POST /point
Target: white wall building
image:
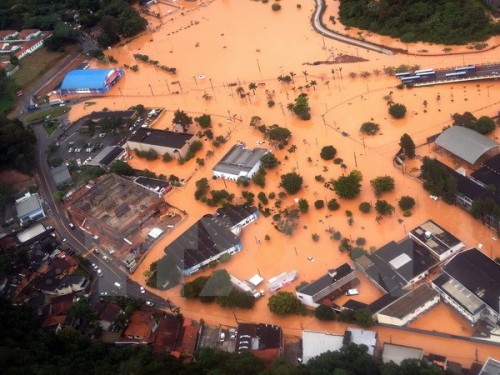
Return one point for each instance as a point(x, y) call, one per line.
point(239, 162)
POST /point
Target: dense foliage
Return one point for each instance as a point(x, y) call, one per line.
point(284, 303)
point(482, 125)
point(300, 107)
point(348, 187)
point(407, 145)
point(397, 110)
point(438, 181)
point(328, 152)
point(382, 184)
point(443, 22)
point(17, 145)
point(291, 182)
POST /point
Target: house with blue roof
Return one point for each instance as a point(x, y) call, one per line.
point(90, 81)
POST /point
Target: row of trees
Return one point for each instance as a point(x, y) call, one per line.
point(482, 125)
point(443, 22)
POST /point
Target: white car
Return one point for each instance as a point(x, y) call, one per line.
point(64, 239)
point(352, 292)
point(99, 272)
point(310, 259)
point(149, 303)
point(143, 290)
point(94, 266)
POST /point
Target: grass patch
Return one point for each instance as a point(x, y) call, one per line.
point(36, 64)
point(8, 98)
point(51, 113)
point(50, 127)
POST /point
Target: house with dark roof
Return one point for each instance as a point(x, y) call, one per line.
point(159, 187)
point(409, 306)
point(207, 239)
point(440, 243)
point(167, 335)
point(397, 265)
point(107, 313)
point(265, 341)
point(161, 141)
point(239, 162)
point(108, 155)
point(333, 284)
point(60, 175)
point(470, 283)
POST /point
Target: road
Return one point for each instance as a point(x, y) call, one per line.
point(321, 29)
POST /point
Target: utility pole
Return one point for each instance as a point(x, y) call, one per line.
point(168, 87)
point(355, 160)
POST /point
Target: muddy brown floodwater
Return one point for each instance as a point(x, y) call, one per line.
point(217, 43)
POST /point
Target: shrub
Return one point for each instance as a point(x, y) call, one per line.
point(328, 152)
point(369, 128)
point(383, 207)
point(382, 184)
point(303, 205)
point(291, 182)
point(262, 197)
point(323, 312)
point(315, 237)
point(333, 205)
point(406, 203)
point(397, 110)
point(319, 178)
point(320, 203)
point(365, 207)
point(360, 241)
point(276, 7)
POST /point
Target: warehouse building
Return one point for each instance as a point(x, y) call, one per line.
point(239, 162)
point(161, 141)
point(90, 81)
point(29, 208)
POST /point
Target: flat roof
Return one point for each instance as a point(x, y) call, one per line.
point(411, 301)
point(465, 143)
point(106, 155)
point(28, 205)
point(155, 233)
point(326, 280)
point(236, 214)
point(60, 175)
point(361, 336)
point(315, 343)
point(459, 293)
point(435, 237)
point(491, 367)
point(157, 137)
point(398, 353)
point(239, 159)
point(493, 164)
point(31, 233)
point(478, 273)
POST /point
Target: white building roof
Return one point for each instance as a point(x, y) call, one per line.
point(155, 233)
point(363, 337)
point(398, 353)
point(28, 204)
point(315, 343)
point(255, 280)
point(30, 233)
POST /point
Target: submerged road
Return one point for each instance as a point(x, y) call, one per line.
point(320, 28)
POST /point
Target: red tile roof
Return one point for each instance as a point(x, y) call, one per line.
point(167, 335)
point(5, 33)
point(189, 339)
point(54, 320)
point(141, 325)
point(23, 34)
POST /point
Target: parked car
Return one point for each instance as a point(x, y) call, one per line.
point(352, 292)
point(143, 290)
point(149, 303)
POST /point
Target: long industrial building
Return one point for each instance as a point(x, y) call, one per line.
point(90, 81)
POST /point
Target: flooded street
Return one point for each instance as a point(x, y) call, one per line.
point(218, 44)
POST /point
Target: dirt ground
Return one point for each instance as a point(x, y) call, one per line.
point(16, 179)
point(217, 44)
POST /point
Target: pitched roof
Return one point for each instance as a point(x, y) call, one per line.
point(108, 311)
point(478, 273)
point(86, 78)
point(141, 325)
point(189, 334)
point(398, 353)
point(99, 115)
point(326, 280)
point(167, 335)
point(60, 175)
point(239, 159)
point(157, 137)
point(28, 205)
point(106, 155)
point(411, 301)
point(465, 143)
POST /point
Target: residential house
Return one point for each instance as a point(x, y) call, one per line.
point(333, 284)
point(239, 162)
point(6, 35)
point(398, 353)
point(264, 341)
point(141, 328)
point(107, 313)
point(61, 175)
point(167, 335)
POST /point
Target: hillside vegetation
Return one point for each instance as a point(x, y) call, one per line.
point(443, 22)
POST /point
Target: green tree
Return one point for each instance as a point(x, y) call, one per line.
point(369, 128)
point(323, 312)
point(397, 110)
point(205, 121)
point(365, 207)
point(406, 202)
point(276, 7)
point(167, 157)
point(328, 152)
point(17, 145)
point(383, 207)
point(467, 120)
point(485, 125)
point(284, 303)
point(408, 146)
point(364, 317)
point(348, 187)
point(301, 107)
point(122, 168)
point(277, 133)
point(438, 180)
point(202, 188)
point(303, 205)
point(269, 161)
point(319, 204)
point(333, 205)
point(382, 184)
point(181, 118)
point(192, 290)
point(252, 86)
point(291, 182)
point(259, 178)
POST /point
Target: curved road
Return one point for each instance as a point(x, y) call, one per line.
point(320, 28)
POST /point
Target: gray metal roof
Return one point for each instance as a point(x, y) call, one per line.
point(60, 175)
point(398, 353)
point(239, 159)
point(316, 343)
point(465, 143)
point(28, 205)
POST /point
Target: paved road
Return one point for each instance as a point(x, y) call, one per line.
point(320, 28)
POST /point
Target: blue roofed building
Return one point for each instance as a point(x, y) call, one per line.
point(90, 81)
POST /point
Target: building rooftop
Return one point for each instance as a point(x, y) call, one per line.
point(153, 184)
point(167, 335)
point(236, 214)
point(465, 185)
point(141, 325)
point(258, 336)
point(88, 79)
point(360, 336)
point(157, 137)
point(398, 353)
point(31, 233)
point(60, 175)
point(491, 367)
point(315, 343)
point(411, 301)
point(108, 312)
point(28, 204)
point(434, 237)
point(493, 164)
point(459, 293)
point(354, 305)
point(106, 156)
point(239, 159)
point(382, 274)
point(206, 238)
point(465, 143)
point(326, 280)
point(478, 273)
